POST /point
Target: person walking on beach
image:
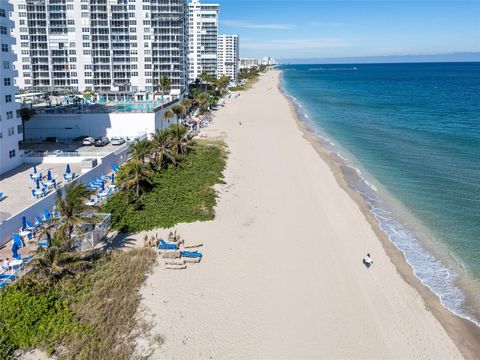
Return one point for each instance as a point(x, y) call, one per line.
point(367, 261)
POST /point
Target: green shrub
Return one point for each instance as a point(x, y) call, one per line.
point(179, 194)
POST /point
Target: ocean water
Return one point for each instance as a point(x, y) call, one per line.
point(409, 138)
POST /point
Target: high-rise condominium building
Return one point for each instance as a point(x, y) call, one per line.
point(10, 124)
point(228, 56)
point(203, 33)
point(102, 45)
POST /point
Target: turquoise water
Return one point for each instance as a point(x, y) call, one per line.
point(135, 107)
point(412, 134)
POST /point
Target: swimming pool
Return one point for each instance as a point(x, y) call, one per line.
point(134, 107)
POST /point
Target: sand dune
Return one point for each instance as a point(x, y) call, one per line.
point(282, 276)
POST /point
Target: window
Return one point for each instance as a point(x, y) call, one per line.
point(3, 30)
point(11, 153)
point(8, 98)
point(19, 129)
point(7, 81)
point(2, 12)
point(9, 115)
point(11, 131)
point(4, 47)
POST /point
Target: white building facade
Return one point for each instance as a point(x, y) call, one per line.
point(228, 56)
point(203, 37)
point(10, 123)
point(101, 45)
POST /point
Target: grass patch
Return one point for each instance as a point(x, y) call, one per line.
point(178, 194)
point(247, 86)
point(89, 316)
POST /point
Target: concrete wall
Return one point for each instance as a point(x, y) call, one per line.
point(70, 126)
point(13, 224)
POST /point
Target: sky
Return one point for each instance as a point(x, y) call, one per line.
point(322, 29)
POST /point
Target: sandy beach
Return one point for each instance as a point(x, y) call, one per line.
point(282, 274)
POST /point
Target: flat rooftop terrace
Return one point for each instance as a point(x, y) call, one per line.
point(17, 186)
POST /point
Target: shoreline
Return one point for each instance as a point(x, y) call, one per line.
point(463, 332)
point(281, 275)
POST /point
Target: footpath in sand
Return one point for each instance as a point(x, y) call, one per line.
point(282, 274)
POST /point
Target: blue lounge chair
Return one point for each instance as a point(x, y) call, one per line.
point(30, 226)
point(166, 246)
point(46, 215)
point(43, 243)
point(8, 277)
point(1, 195)
point(191, 254)
point(115, 168)
point(39, 221)
point(33, 194)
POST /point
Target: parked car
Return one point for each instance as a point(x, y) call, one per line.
point(88, 141)
point(80, 138)
point(101, 141)
point(118, 140)
point(51, 139)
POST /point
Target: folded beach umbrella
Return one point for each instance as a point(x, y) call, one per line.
point(67, 170)
point(14, 250)
point(38, 184)
point(24, 223)
point(49, 175)
point(34, 169)
point(113, 178)
point(103, 186)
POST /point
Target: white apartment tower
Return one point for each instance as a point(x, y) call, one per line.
point(101, 45)
point(10, 124)
point(228, 56)
point(203, 33)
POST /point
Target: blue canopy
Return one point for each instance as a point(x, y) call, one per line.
point(113, 178)
point(49, 175)
point(34, 169)
point(38, 184)
point(68, 171)
point(24, 223)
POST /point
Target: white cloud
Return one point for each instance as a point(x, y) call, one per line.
point(250, 25)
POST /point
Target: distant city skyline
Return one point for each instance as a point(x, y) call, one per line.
point(340, 29)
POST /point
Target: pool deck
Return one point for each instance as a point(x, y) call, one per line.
point(17, 186)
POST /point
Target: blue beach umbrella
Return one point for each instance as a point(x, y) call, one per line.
point(68, 169)
point(24, 223)
point(49, 175)
point(34, 169)
point(38, 184)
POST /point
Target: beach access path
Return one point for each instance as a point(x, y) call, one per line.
point(282, 274)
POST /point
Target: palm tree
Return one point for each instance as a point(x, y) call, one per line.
point(168, 115)
point(164, 84)
point(141, 150)
point(201, 100)
point(187, 104)
point(180, 140)
point(179, 111)
point(53, 263)
point(72, 208)
point(132, 175)
point(162, 148)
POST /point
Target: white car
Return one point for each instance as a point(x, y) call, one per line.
point(88, 141)
point(117, 140)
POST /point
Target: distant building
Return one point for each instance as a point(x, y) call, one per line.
point(11, 130)
point(247, 63)
point(203, 33)
point(228, 56)
point(101, 45)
